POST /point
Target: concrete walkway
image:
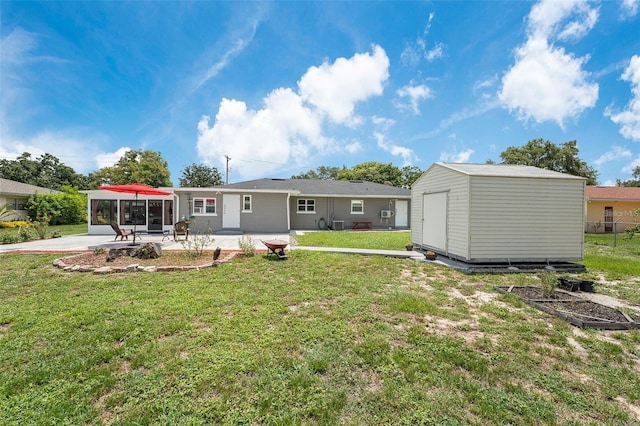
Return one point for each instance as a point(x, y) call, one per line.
point(82, 242)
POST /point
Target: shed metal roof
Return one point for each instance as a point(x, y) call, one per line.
point(506, 170)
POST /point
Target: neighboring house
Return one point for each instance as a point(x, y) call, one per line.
point(14, 195)
point(611, 208)
point(261, 205)
point(486, 213)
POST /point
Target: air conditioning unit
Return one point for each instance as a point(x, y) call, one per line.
point(385, 214)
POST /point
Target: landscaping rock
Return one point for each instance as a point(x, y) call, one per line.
point(145, 251)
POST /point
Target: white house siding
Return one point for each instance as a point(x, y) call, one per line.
point(526, 219)
point(438, 179)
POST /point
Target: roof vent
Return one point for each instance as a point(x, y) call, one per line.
point(356, 181)
point(278, 179)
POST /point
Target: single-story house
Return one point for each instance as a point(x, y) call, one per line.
point(611, 208)
point(494, 213)
point(261, 205)
point(14, 196)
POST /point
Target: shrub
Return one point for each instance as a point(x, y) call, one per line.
point(9, 238)
point(41, 226)
point(246, 245)
point(67, 208)
point(26, 234)
point(15, 224)
point(198, 242)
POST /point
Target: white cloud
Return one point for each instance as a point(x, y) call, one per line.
point(546, 83)
point(485, 84)
point(289, 126)
point(408, 156)
point(629, 118)
point(76, 149)
point(109, 159)
point(629, 8)
point(415, 95)
point(435, 53)
point(383, 122)
point(616, 153)
point(632, 165)
point(414, 52)
point(334, 89)
point(353, 147)
point(456, 157)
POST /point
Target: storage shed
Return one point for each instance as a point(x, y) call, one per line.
point(495, 213)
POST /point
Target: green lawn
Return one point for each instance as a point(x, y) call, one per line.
point(317, 339)
point(383, 240)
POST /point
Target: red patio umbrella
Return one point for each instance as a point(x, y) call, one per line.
point(135, 188)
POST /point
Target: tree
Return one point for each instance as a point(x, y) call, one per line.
point(547, 155)
point(200, 176)
point(373, 171)
point(322, 172)
point(135, 166)
point(46, 171)
point(409, 175)
point(631, 182)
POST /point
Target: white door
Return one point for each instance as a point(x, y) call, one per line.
point(434, 220)
point(402, 213)
point(231, 211)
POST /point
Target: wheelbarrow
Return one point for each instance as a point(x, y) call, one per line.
point(276, 247)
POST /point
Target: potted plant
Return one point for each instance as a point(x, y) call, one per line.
point(430, 255)
point(409, 246)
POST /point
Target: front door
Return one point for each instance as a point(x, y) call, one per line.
point(608, 219)
point(231, 211)
point(402, 212)
point(155, 216)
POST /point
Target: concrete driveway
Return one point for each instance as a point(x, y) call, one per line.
point(91, 242)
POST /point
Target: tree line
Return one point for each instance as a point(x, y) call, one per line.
point(148, 167)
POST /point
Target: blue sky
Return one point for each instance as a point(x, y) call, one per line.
point(285, 87)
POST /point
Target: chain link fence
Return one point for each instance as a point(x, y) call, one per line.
point(611, 232)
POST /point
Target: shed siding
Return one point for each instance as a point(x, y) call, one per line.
point(438, 179)
point(526, 219)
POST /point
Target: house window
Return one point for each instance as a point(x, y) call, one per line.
point(306, 205)
point(357, 207)
point(103, 212)
point(246, 203)
point(204, 206)
point(16, 203)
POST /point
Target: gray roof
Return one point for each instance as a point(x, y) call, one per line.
point(11, 187)
point(506, 170)
point(318, 187)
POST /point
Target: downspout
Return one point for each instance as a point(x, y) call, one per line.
point(176, 209)
point(289, 211)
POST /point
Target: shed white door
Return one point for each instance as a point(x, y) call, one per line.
point(434, 220)
point(402, 212)
point(231, 211)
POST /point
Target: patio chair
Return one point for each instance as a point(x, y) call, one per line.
point(122, 233)
point(180, 228)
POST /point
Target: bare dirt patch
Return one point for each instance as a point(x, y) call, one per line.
point(91, 259)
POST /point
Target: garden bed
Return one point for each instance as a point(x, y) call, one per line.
point(573, 308)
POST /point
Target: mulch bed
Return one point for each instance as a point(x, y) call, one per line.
point(573, 308)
